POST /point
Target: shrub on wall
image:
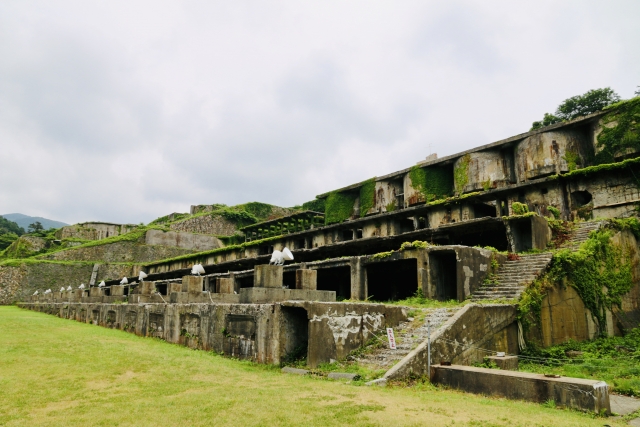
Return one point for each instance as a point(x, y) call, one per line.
point(367, 196)
point(625, 134)
point(339, 207)
point(432, 182)
point(316, 205)
point(519, 208)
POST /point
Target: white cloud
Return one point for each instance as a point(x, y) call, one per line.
point(125, 111)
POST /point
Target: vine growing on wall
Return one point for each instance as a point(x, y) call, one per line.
point(621, 130)
point(339, 207)
point(432, 182)
point(461, 173)
point(367, 196)
point(599, 271)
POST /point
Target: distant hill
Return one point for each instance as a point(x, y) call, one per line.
point(24, 221)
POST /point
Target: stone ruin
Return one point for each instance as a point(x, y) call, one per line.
point(440, 229)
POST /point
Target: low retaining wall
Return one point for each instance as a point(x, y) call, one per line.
point(264, 333)
point(575, 393)
point(465, 338)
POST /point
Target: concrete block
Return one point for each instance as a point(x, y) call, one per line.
point(575, 393)
point(193, 284)
point(343, 376)
point(225, 285)
point(295, 371)
point(174, 287)
point(266, 295)
point(381, 382)
point(307, 279)
point(267, 276)
point(95, 292)
point(147, 288)
point(117, 290)
point(508, 363)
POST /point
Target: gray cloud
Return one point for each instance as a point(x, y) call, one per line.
point(126, 112)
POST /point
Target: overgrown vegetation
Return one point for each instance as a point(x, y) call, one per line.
point(615, 360)
point(9, 232)
point(461, 173)
point(578, 106)
point(339, 207)
point(317, 205)
point(367, 196)
point(519, 208)
point(620, 131)
point(432, 182)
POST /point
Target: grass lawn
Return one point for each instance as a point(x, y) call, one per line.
point(62, 373)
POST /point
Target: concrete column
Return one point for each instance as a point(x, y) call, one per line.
point(192, 284)
point(358, 279)
point(225, 285)
point(307, 279)
point(267, 276)
point(174, 287)
point(117, 290)
point(147, 288)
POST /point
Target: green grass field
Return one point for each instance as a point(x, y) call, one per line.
point(56, 372)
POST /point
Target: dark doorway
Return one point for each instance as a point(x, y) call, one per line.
point(393, 280)
point(244, 282)
point(481, 210)
point(521, 232)
point(337, 279)
point(443, 269)
point(289, 279)
point(296, 334)
point(581, 198)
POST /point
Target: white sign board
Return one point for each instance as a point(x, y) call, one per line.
point(392, 339)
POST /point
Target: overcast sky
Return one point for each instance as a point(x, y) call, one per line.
point(127, 111)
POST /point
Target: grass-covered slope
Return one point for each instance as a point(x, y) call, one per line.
point(60, 372)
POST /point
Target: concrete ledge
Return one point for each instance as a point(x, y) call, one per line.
point(343, 376)
point(266, 295)
point(295, 371)
point(575, 393)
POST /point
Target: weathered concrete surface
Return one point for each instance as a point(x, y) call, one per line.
point(484, 171)
point(464, 339)
point(336, 329)
point(265, 333)
point(307, 279)
point(177, 239)
point(343, 376)
point(18, 283)
point(192, 284)
point(118, 252)
point(267, 295)
point(206, 224)
point(575, 393)
point(507, 363)
point(93, 230)
point(267, 276)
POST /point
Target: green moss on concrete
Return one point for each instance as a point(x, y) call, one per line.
point(367, 196)
point(432, 182)
point(461, 173)
point(339, 207)
point(624, 135)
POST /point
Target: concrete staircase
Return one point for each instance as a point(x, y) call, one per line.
point(408, 336)
point(581, 233)
point(513, 277)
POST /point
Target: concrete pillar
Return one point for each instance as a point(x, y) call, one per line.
point(307, 279)
point(267, 276)
point(174, 287)
point(78, 294)
point(192, 284)
point(95, 292)
point(116, 290)
point(358, 279)
point(147, 288)
point(225, 285)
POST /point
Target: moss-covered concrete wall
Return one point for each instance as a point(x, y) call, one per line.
point(118, 252)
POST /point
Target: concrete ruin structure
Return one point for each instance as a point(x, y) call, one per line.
point(444, 229)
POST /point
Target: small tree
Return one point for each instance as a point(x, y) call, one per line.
point(35, 227)
point(578, 106)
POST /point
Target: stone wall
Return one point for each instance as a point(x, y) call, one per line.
point(19, 282)
point(177, 239)
point(206, 224)
point(93, 230)
point(118, 252)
